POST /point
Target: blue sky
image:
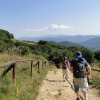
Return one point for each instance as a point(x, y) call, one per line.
point(33, 18)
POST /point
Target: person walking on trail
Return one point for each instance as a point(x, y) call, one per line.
point(78, 67)
point(65, 68)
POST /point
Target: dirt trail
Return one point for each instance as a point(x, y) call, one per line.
point(53, 88)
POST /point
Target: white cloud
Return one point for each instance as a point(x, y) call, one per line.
point(52, 27)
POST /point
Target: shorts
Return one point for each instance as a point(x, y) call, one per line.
point(65, 71)
point(80, 83)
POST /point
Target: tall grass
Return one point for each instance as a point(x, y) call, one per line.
point(95, 75)
point(26, 88)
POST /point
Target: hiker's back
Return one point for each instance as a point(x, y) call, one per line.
point(79, 68)
point(65, 68)
point(65, 64)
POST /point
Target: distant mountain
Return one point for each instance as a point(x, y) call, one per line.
point(92, 43)
point(89, 41)
point(60, 38)
point(67, 44)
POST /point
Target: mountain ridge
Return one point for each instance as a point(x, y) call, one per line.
point(60, 38)
point(89, 41)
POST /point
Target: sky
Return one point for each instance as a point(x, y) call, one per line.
point(32, 18)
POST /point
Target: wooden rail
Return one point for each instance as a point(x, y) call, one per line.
point(95, 70)
point(12, 65)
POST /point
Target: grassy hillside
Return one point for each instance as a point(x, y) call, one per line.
point(95, 75)
point(25, 88)
point(50, 51)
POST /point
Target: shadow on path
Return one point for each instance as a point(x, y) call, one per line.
point(73, 88)
point(54, 80)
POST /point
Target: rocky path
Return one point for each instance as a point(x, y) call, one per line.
point(54, 88)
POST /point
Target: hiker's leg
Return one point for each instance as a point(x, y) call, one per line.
point(76, 87)
point(66, 74)
point(64, 77)
point(77, 94)
point(85, 88)
point(85, 95)
point(63, 71)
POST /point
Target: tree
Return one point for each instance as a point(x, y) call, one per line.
point(97, 55)
point(87, 54)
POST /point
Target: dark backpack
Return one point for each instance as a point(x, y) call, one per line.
point(79, 69)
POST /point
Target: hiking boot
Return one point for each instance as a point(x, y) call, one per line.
point(78, 99)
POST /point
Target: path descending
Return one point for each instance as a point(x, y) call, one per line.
point(54, 88)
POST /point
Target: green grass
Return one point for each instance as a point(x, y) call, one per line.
point(95, 75)
point(26, 88)
point(96, 82)
point(95, 78)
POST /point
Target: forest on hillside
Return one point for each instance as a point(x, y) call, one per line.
point(49, 50)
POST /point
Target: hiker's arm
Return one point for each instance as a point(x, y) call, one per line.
point(88, 69)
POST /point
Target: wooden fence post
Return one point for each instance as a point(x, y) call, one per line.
point(31, 68)
point(38, 66)
point(88, 80)
point(45, 63)
point(14, 73)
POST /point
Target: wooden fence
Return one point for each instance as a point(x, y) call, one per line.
point(95, 70)
point(92, 70)
point(12, 65)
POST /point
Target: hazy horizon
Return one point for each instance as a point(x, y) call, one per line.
point(50, 17)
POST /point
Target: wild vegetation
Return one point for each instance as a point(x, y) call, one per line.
point(26, 88)
point(41, 50)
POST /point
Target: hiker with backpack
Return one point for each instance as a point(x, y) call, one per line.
point(78, 67)
point(65, 68)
